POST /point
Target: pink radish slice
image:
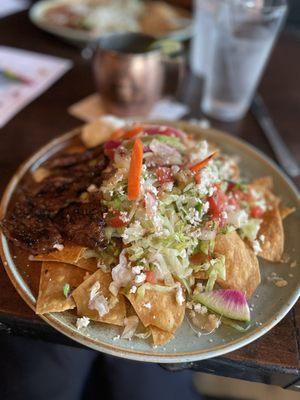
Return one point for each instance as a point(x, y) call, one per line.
point(229, 303)
point(164, 130)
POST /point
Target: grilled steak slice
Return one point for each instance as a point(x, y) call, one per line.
point(29, 229)
point(30, 224)
point(83, 223)
point(65, 160)
point(65, 186)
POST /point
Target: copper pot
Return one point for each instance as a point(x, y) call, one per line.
point(129, 74)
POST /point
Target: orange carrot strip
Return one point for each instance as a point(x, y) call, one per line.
point(202, 163)
point(132, 132)
point(135, 170)
point(118, 134)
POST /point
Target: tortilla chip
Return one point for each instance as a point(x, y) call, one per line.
point(54, 276)
point(271, 228)
point(200, 275)
point(242, 268)
point(265, 183)
point(96, 132)
point(286, 211)
point(164, 312)
point(198, 259)
point(82, 296)
point(70, 254)
point(159, 336)
point(89, 264)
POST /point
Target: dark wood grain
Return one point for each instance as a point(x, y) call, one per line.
point(47, 117)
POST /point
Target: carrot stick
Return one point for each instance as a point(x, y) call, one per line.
point(135, 170)
point(121, 134)
point(132, 132)
point(203, 163)
point(118, 134)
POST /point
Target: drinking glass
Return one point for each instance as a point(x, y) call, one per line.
point(233, 41)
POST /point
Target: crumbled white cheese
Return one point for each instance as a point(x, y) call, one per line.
point(140, 278)
point(97, 301)
point(133, 232)
point(205, 207)
point(121, 274)
point(199, 288)
point(179, 294)
point(200, 309)
point(58, 246)
point(237, 218)
point(137, 269)
point(82, 322)
point(133, 289)
point(224, 214)
point(92, 188)
point(175, 169)
point(124, 216)
point(262, 238)
point(199, 152)
point(168, 186)
point(148, 305)
point(256, 246)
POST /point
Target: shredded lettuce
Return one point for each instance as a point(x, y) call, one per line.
point(149, 286)
point(66, 290)
point(250, 229)
point(143, 335)
point(169, 140)
point(235, 325)
point(89, 253)
point(206, 246)
point(216, 270)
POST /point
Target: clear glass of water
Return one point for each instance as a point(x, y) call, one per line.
point(232, 43)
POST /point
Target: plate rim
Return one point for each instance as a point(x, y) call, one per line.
point(70, 34)
point(114, 350)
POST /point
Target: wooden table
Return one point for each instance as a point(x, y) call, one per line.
point(272, 359)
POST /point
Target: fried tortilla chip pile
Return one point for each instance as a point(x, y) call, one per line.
point(130, 231)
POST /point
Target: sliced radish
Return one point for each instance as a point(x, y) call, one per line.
point(164, 130)
point(229, 303)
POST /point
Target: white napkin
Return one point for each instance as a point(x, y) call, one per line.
point(37, 73)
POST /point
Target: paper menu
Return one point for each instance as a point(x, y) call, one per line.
point(24, 75)
point(12, 6)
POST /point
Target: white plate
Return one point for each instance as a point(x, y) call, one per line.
point(270, 303)
point(83, 38)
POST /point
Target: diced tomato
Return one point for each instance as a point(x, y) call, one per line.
point(150, 277)
point(256, 212)
point(217, 204)
point(198, 178)
point(117, 222)
point(232, 201)
point(239, 195)
point(164, 174)
point(231, 186)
